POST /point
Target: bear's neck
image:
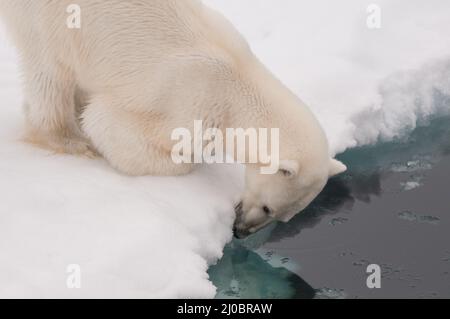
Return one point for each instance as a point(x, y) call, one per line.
point(260, 100)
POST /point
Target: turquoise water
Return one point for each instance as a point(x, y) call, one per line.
point(243, 273)
point(390, 209)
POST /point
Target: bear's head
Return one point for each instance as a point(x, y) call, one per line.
point(281, 196)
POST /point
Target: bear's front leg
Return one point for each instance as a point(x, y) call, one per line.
point(130, 141)
point(51, 120)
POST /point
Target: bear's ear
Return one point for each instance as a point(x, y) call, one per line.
point(289, 168)
point(336, 168)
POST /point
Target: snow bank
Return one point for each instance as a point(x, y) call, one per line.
point(324, 51)
point(154, 237)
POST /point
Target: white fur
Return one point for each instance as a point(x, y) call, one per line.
point(138, 69)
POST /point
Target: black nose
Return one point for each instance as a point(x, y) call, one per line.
point(240, 234)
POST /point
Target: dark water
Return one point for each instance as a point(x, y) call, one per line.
point(392, 208)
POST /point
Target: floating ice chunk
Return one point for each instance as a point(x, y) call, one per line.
point(330, 293)
point(419, 164)
point(425, 219)
point(409, 186)
point(407, 215)
point(338, 221)
point(429, 220)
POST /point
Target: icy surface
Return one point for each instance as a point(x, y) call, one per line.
point(155, 237)
point(364, 84)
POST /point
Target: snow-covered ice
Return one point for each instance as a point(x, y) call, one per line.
point(364, 84)
point(155, 237)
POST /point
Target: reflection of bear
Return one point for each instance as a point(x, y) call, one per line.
point(145, 68)
point(244, 274)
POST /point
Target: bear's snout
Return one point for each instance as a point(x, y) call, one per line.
point(239, 231)
point(240, 234)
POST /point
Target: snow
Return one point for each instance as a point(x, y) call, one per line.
point(362, 83)
point(155, 237)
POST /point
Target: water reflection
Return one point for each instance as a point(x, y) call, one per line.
point(243, 273)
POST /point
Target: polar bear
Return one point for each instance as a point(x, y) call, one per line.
point(136, 70)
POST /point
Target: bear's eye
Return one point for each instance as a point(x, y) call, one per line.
point(267, 210)
point(286, 173)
